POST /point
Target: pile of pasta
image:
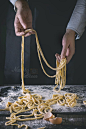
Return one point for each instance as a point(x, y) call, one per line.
point(34, 102)
point(37, 106)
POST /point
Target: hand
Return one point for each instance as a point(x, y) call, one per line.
point(23, 18)
point(68, 43)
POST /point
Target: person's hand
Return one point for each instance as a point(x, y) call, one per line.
point(23, 18)
point(68, 43)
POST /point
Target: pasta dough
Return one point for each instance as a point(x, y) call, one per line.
point(37, 106)
point(84, 102)
point(34, 102)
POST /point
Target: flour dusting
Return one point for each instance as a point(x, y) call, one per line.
point(10, 94)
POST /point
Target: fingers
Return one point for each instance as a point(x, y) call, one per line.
point(69, 58)
point(58, 57)
point(68, 49)
point(19, 31)
point(26, 24)
point(70, 54)
point(68, 44)
point(22, 22)
point(29, 33)
point(64, 49)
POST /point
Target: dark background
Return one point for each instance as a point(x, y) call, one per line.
point(50, 19)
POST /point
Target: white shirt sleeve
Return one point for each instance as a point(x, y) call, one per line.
point(78, 19)
point(13, 1)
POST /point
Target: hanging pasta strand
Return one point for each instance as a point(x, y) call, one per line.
point(60, 67)
point(22, 66)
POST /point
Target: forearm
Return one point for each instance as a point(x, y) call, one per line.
point(19, 3)
point(77, 21)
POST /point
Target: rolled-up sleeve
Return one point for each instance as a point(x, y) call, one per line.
point(77, 21)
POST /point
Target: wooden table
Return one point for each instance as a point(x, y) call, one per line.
point(73, 118)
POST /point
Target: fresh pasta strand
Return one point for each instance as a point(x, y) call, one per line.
point(60, 67)
point(34, 102)
point(22, 66)
point(41, 128)
point(37, 105)
point(84, 102)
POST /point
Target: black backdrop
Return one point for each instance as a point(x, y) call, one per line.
point(50, 19)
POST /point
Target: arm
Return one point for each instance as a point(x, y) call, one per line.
point(77, 21)
point(75, 27)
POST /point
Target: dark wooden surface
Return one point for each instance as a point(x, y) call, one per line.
point(72, 118)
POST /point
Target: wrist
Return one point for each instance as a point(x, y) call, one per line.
point(20, 4)
point(72, 32)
